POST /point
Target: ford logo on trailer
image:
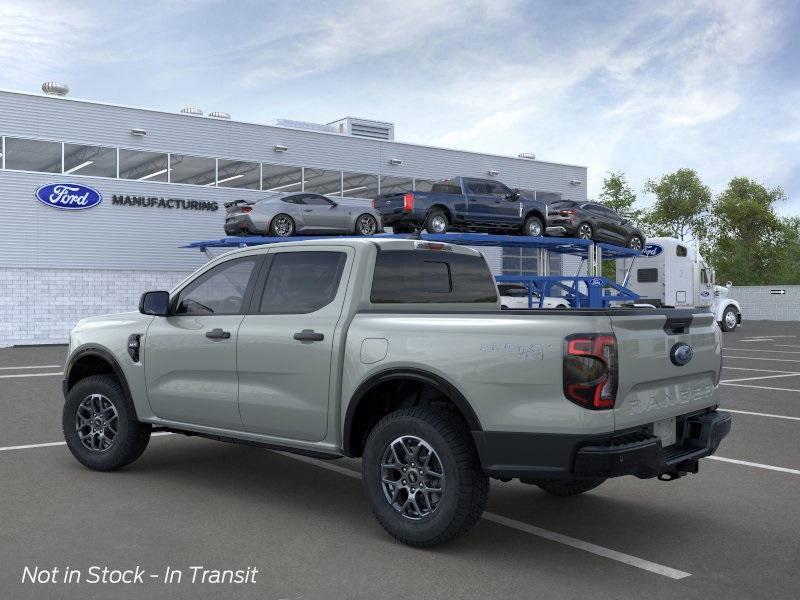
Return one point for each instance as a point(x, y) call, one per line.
point(68, 196)
point(681, 354)
point(595, 282)
point(652, 250)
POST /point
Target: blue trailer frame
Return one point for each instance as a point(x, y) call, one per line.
point(595, 285)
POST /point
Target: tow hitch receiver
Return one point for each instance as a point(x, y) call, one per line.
point(685, 469)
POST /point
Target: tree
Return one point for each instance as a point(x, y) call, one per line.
point(751, 244)
point(618, 196)
point(681, 206)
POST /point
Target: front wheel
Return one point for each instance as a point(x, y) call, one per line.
point(729, 319)
point(100, 424)
point(422, 476)
point(568, 487)
point(533, 227)
point(366, 224)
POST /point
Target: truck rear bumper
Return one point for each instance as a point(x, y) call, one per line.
point(531, 456)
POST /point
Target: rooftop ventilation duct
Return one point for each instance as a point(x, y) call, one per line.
point(376, 130)
point(192, 110)
point(53, 88)
point(303, 125)
point(219, 115)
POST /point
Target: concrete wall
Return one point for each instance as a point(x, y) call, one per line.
point(759, 304)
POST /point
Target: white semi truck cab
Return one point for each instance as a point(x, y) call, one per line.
point(671, 273)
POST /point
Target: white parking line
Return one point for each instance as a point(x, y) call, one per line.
point(756, 414)
point(760, 377)
point(761, 370)
point(31, 367)
point(15, 376)
point(760, 350)
point(758, 465)
point(627, 559)
point(759, 387)
point(756, 340)
point(791, 360)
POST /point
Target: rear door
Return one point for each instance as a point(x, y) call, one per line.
point(480, 201)
point(652, 387)
point(285, 345)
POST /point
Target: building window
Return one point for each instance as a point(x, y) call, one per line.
point(396, 185)
point(143, 166)
point(33, 155)
point(359, 185)
point(280, 178)
point(321, 181)
point(196, 170)
point(238, 174)
point(90, 160)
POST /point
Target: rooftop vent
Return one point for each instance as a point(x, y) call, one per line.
point(303, 125)
point(527, 155)
point(219, 115)
point(376, 130)
point(53, 88)
point(192, 110)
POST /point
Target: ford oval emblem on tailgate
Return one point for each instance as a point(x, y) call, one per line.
point(681, 354)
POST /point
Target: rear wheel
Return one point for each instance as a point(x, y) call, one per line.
point(282, 226)
point(568, 487)
point(366, 224)
point(100, 424)
point(730, 319)
point(437, 221)
point(585, 231)
point(635, 242)
point(533, 227)
point(422, 476)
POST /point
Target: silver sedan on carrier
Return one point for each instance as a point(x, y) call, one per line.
point(284, 215)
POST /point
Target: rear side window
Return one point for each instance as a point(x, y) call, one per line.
point(422, 276)
point(301, 282)
point(647, 275)
point(680, 251)
point(446, 187)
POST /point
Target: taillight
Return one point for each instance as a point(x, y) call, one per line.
point(408, 202)
point(590, 370)
point(565, 213)
point(374, 202)
point(246, 209)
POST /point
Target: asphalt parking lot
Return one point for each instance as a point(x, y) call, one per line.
point(732, 531)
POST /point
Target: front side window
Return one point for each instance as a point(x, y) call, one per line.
point(315, 200)
point(681, 251)
point(497, 189)
point(301, 282)
point(423, 276)
point(478, 187)
point(218, 291)
point(33, 155)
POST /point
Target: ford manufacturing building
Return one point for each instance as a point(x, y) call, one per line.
point(161, 180)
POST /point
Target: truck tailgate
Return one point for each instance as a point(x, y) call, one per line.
point(652, 387)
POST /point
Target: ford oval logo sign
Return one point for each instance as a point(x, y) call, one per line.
point(652, 250)
point(595, 282)
point(68, 196)
point(681, 354)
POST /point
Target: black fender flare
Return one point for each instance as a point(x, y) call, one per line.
point(99, 352)
point(410, 373)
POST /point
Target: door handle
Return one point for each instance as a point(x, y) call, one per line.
point(308, 335)
point(307, 210)
point(218, 334)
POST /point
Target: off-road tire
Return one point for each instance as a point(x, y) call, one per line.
point(465, 488)
point(132, 436)
point(568, 487)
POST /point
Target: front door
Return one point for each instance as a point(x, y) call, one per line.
point(190, 356)
point(325, 215)
point(286, 343)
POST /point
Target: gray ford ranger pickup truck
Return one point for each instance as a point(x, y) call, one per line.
point(397, 351)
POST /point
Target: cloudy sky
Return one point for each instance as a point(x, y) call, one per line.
point(642, 87)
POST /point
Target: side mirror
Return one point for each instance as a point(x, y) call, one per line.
point(729, 284)
point(513, 196)
point(154, 303)
point(334, 204)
